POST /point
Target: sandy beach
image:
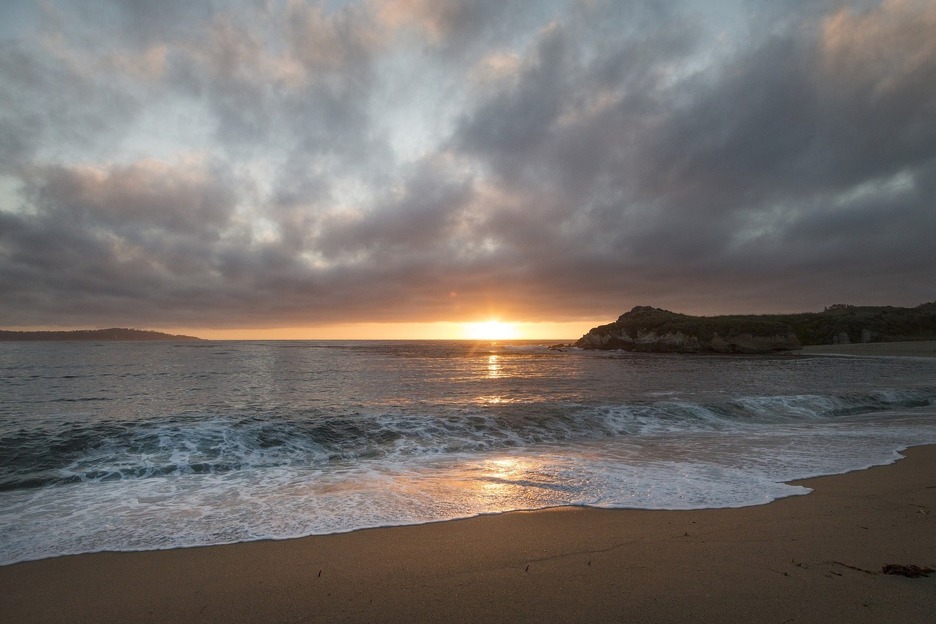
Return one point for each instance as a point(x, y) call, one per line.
point(813, 558)
point(919, 348)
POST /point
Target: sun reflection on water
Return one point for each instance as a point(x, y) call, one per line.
point(494, 367)
point(493, 399)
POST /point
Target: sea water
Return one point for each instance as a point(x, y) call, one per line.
point(149, 445)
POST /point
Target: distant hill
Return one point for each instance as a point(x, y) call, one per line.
point(655, 330)
point(112, 334)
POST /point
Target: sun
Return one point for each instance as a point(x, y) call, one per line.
point(491, 330)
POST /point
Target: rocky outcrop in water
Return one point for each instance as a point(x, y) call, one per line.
point(652, 330)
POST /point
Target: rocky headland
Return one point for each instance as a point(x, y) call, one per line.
point(647, 329)
point(654, 330)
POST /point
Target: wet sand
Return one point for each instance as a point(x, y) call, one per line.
point(813, 558)
point(922, 348)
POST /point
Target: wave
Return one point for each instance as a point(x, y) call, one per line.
point(197, 444)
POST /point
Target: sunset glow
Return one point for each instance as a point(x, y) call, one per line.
point(563, 331)
point(491, 330)
point(458, 170)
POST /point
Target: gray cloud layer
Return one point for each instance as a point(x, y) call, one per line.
point(290, 163)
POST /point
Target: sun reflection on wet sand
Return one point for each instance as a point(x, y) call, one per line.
point(499, 472)
point(505, 483)
point(505, 467)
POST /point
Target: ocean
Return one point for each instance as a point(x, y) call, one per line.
point(120, 446)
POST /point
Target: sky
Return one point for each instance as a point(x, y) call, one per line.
point(380, 169)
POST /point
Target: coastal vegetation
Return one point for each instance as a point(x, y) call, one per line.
point(654, 330)
point(844, 324)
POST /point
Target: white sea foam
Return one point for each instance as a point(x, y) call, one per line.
point(201, 447)
point(656, 471)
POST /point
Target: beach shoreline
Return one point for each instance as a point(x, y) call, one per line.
point(812, 558)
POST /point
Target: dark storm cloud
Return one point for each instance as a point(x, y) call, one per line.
point(97, 237)
point(690, 183)
point(579, 158)
point(423, 217)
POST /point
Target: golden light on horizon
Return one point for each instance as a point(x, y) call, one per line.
point(491, 330)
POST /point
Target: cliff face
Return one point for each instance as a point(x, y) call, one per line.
point(653, 330)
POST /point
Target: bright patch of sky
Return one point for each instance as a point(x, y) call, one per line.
point(167, 129)
point(883, 189)
point(417, 103)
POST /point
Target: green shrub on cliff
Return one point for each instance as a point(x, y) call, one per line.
point(863, 324)
point(838, 323)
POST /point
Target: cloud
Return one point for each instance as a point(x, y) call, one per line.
point(287, 163)
point(690, 181)
point(447, 23)
point(175, 199)
point(51, 101)
point(422, 214)
point(126, 234)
